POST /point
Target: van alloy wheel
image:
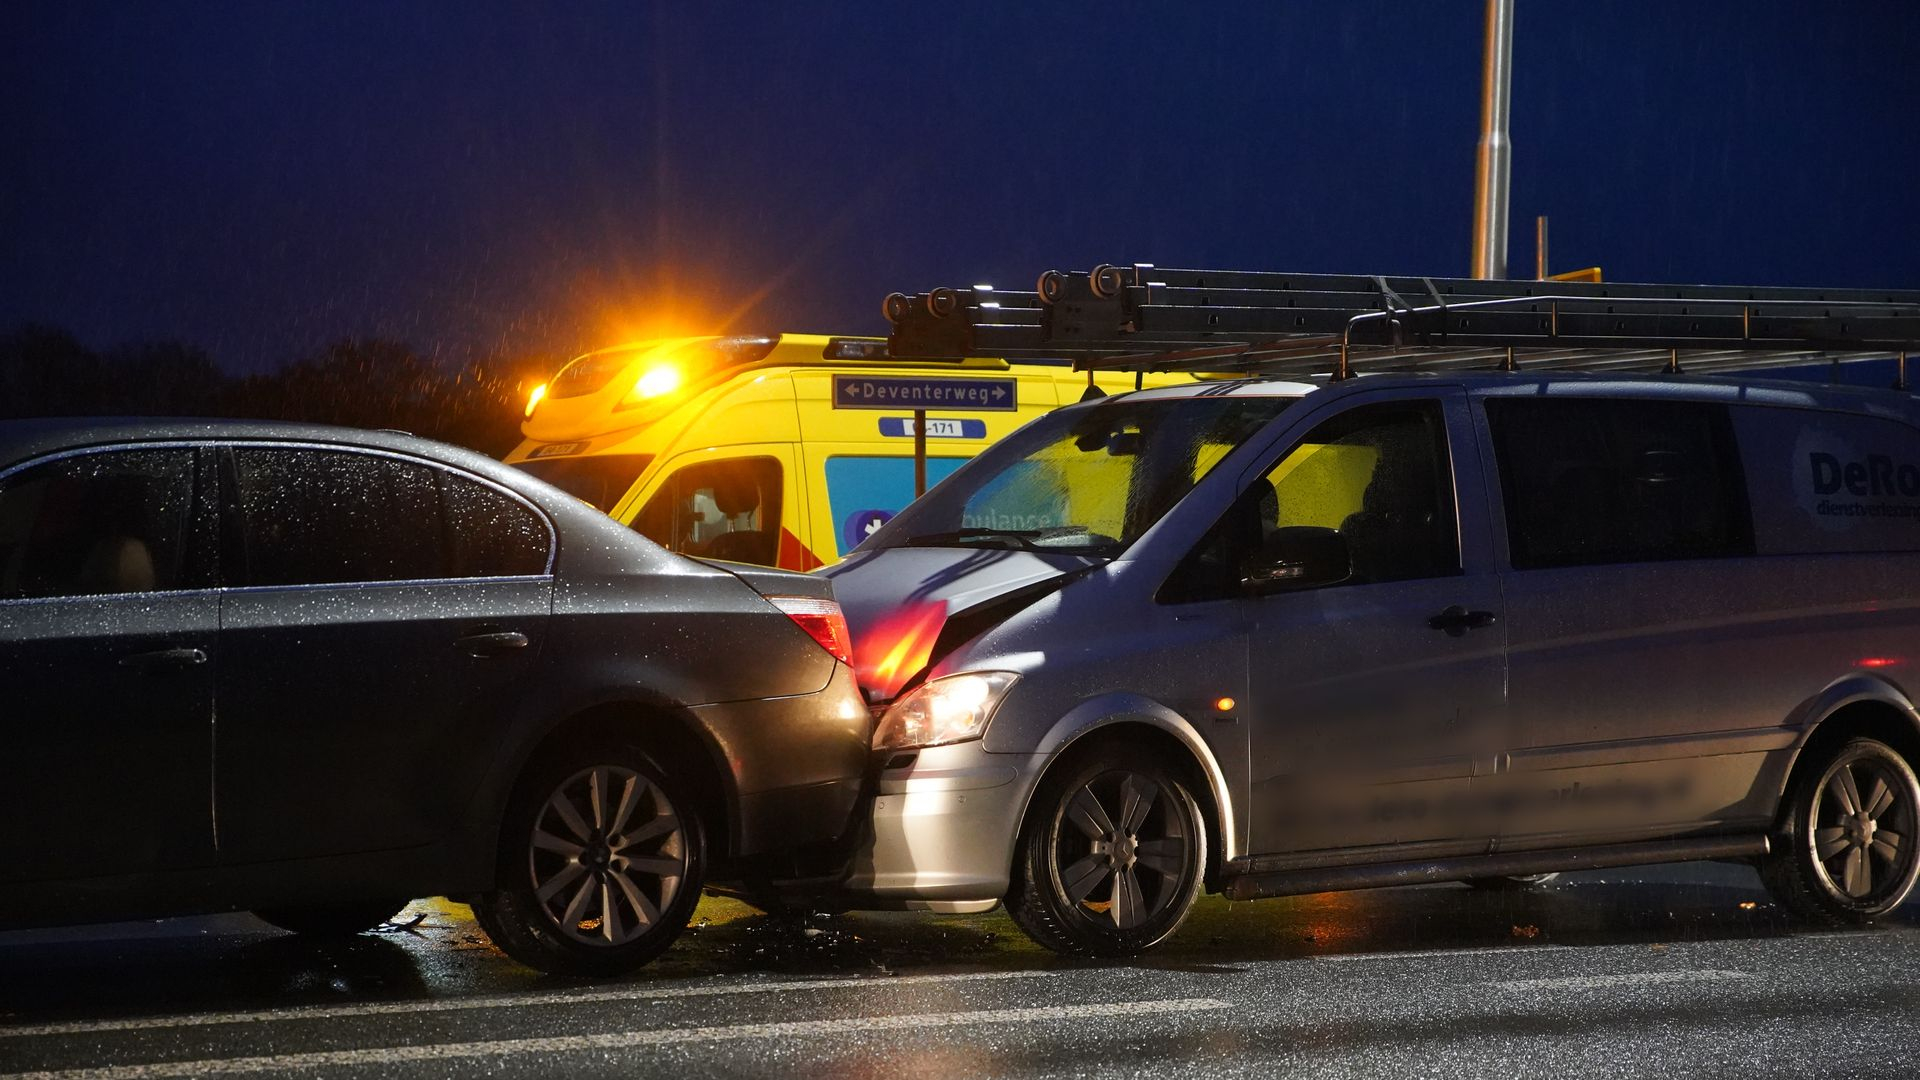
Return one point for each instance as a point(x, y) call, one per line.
point(1863, 829)
point(607, 856)
point(1131, 860)
point(1111, 856)
point(1848, 849)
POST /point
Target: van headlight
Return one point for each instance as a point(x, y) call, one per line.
point(950, 709)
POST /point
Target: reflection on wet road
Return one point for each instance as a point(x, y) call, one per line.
point(1678, 969)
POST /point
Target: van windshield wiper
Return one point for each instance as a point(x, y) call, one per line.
point(1017, 538)
point(1020, 539)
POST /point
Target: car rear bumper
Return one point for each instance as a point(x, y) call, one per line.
point(798, 766)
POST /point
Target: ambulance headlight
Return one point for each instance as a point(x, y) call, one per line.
point(946, 710)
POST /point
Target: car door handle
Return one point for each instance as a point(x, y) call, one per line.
point(165, 659)
point(1457, 620)
point(490, 642)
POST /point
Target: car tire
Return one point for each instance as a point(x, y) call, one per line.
point(602, 859)
point(1111, 856)
point(331, 920)
point(1848, 854)
point(1510, 883)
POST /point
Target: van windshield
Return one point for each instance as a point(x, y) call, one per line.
point(1087, 480)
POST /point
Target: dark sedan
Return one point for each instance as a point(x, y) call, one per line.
point(316, 672)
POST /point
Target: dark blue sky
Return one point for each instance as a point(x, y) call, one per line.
point(261, 178)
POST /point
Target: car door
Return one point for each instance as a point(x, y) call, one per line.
point(1376, 698)
point(1635, 611)
point(107, 649)
point(382, 618)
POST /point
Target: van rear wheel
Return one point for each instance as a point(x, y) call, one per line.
point(1850, 853)
point(1111, 857)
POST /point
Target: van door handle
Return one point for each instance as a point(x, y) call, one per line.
point(1457, 620)
point(164, 659)
point(492, 642)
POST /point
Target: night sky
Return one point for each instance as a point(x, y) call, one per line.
point(263, 178)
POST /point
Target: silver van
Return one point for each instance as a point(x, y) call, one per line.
point(1268, 637)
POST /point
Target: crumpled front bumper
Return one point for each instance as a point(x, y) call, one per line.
point(941, 831)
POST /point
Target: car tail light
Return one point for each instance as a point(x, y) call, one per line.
point(822, 620)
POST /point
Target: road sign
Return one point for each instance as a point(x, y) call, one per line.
point(929, 392)
point(900, 427)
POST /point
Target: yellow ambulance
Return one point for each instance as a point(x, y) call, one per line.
point(783, 450)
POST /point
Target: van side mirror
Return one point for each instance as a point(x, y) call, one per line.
point(1297, 557)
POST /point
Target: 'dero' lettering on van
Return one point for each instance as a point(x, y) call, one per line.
point(1877, 476)
point(934, 392)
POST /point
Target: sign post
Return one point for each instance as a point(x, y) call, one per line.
point(919, 393)
point(919, 452)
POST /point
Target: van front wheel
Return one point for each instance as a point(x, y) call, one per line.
point(1849, 854)
point(1111, 857)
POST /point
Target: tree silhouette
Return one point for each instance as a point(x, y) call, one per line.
point(369, 383)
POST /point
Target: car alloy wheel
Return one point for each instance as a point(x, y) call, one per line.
point(607, 856)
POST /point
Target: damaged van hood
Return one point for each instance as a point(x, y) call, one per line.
point(908, 606)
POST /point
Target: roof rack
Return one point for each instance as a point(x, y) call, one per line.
point(1143, 318)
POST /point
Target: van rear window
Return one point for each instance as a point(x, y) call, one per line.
point(601, 479)
point(1830, 482)
point(1617, 480)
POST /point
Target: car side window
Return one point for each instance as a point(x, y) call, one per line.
point(325, 517)
point(490, 533)
point(1592, 481)
point(95, 524)
point(1373, 485)
point(727, 509)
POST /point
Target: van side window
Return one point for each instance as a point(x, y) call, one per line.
point(97, 524)
point(1590, 481)
point(1376, 475)
point(726, 509)
point(1827, 482)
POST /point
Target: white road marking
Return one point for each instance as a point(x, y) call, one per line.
point(1638, 978)
point(617, 1040)
point(499, 1001)
point(1507, 950)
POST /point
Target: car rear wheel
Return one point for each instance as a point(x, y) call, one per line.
point(601, 865)
point(332, 920)
point(1850, 851)
point(1111, 856)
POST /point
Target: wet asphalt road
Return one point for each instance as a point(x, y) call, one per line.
point(1677, 971)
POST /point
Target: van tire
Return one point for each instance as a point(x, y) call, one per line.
point(1062, 869)
point(650, 872)
point(1820, 817)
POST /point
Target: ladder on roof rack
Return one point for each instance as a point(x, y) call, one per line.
point(1144, 318)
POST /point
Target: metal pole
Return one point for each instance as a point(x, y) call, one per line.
point(1540, 248)
point(1492, 168)
point(919, 452)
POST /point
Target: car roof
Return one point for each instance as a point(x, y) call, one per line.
point(23, 440)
